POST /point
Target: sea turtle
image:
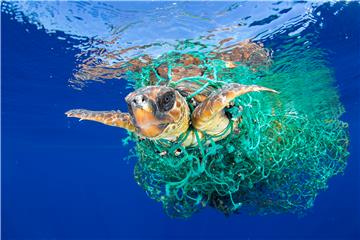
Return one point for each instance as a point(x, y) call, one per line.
point(162, 112)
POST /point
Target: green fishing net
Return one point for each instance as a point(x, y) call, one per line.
point(286, 148)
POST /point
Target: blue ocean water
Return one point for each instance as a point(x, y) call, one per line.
point(67, 180)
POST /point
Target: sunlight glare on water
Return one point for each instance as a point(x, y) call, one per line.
point(109, 31)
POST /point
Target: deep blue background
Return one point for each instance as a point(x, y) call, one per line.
point(64, 179)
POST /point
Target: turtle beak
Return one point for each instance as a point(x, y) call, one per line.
point(140, 109)
point(142, 115)
point(139, 101)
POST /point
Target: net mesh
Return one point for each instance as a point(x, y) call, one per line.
point(283, 152)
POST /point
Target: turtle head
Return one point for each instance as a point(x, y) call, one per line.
point(158, 112)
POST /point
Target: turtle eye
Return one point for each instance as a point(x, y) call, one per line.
point(166, 101)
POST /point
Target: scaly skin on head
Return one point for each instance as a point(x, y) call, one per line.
point(159, 112)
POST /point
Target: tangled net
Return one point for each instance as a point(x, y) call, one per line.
point(287, 147)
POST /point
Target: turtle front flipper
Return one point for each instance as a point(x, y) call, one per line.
point(210, 117)
point(111, 118)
